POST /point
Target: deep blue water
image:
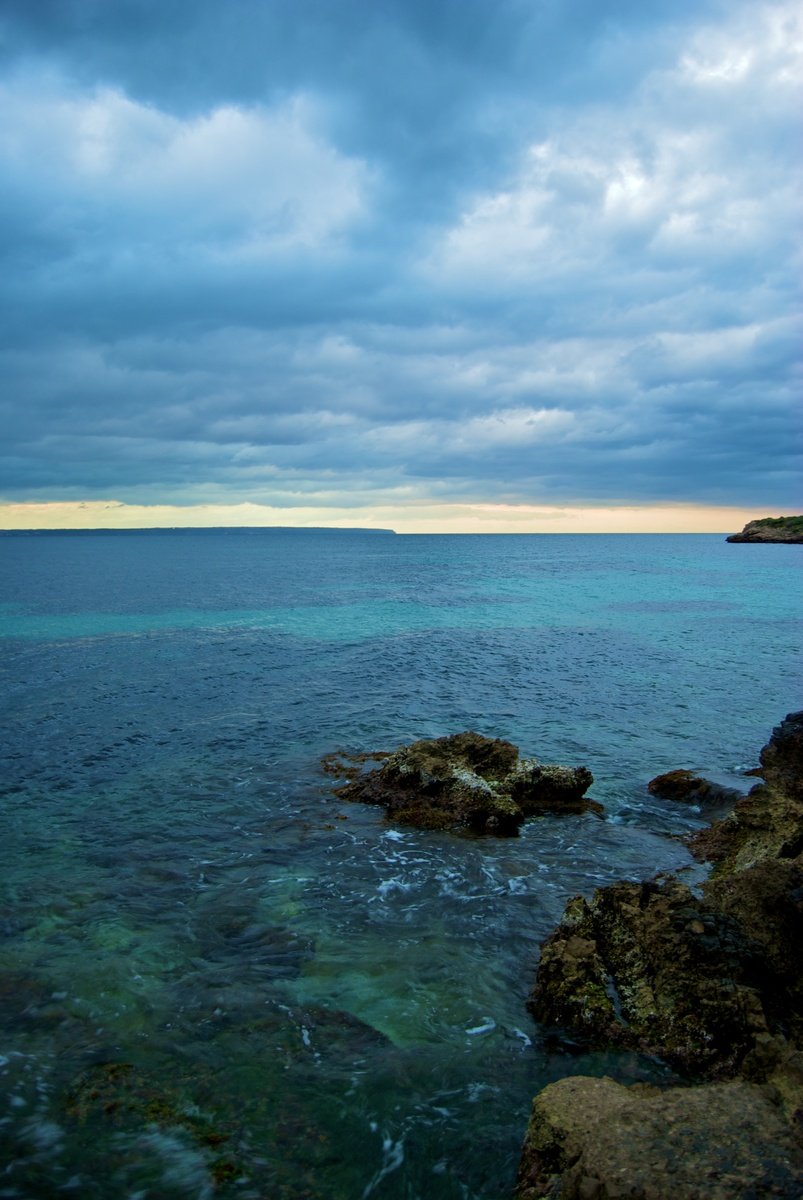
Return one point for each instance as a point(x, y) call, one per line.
point(218, 980)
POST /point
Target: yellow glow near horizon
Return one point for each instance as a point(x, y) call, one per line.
point(403, 518)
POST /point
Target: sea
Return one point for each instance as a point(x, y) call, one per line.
point(219, 980)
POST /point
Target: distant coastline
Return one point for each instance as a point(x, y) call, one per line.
point(165, 530)
point(193, 529)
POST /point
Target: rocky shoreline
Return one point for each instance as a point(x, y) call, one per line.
point(708, 980)
point(713, 984)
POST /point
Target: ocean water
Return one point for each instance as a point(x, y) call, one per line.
point(216, 980)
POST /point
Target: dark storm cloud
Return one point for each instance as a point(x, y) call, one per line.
point(515, 250)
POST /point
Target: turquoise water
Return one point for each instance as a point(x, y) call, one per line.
point(216, 979)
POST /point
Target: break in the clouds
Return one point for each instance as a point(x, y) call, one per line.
point(337, 254)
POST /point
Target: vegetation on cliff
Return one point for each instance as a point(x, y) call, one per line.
point(771, 529)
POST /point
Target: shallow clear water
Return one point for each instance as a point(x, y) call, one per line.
point(217, 979)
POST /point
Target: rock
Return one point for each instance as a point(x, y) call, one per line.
point(714, 984)
point(768, 822)
point(771, 529)
point(782, 758)
point(594, 1139)
point(766, 902)
point(465, 781)
point(651, 967)
point(688, 788)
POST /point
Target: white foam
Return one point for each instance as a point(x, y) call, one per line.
point(393, 885)
point(392, 1159)
point(488, 1025)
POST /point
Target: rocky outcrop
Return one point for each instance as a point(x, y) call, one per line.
point(713, 983)
point(687, 788)
point(771, 529)
point(768, 822)
point(651, 967)
point(765, 902)
point(593, 1139)
point(463, 781)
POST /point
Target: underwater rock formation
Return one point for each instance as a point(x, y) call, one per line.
point(771, 529)
point(464, 781)
point(712, 984)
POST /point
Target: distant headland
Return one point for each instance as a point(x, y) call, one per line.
point(771, 529)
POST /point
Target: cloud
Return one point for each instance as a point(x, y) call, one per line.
point(535, 255)
point(122, 182)
point(682, 186)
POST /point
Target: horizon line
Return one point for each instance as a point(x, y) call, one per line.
point(123, 530)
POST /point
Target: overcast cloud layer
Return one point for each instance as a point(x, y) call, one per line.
point(381, 252)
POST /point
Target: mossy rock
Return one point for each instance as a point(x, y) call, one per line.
point(651, 967)
point(768, 822)
point(463, 781)
point(589, 1139)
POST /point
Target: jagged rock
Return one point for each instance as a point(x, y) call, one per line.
point(771, 529)
point(782, 758)
point(714, 985)
point(650, 966)
point(688, 788)
point(465, 781)
point(766, 902)
point(594, 1139)
point(768, 822)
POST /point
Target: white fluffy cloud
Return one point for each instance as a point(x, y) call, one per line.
point(127, 177)
point(682, 178)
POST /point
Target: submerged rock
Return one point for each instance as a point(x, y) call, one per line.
point(592, 1139)
point(688, 788)
point(464, 781)
point(771, 529)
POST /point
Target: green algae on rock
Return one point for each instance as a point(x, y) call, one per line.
point(590, 1139)
point(651, 967)
point(771, 529)
point(463, 781)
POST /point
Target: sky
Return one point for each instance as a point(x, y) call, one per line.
point(441, 265)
